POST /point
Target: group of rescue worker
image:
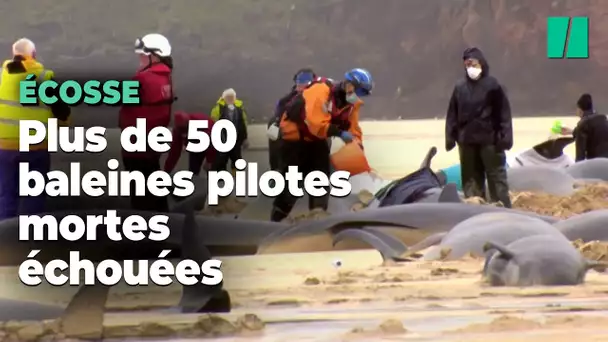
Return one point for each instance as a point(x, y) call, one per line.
point(156, 100)
point(479, 122)
point(154, 75)
point(315, 111)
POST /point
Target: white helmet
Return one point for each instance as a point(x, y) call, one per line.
point(153, 44)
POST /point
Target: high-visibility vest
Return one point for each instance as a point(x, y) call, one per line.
point(11, 111)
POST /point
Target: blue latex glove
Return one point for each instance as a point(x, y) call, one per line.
point(346, 137)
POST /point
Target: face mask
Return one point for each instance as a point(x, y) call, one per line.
point(352, 98)
point(231, 106)
point(474, 72)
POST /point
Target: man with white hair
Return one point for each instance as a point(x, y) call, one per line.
point(230, 108)
point(15, 70)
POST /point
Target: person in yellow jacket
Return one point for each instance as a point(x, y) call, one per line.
point(230, 108)
point(14, 71)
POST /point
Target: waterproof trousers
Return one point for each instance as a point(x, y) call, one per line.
point(195, 162)
point(11, 204)
point(481, 162)
point(308, 157)
point(148, 202)
point(221, 158)
point(274, 154)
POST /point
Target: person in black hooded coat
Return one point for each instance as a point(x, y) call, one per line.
point(479, 122)
point(591, 132)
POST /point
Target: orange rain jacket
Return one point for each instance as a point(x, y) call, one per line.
point(321, 118)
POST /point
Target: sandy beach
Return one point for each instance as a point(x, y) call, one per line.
point(306, 297)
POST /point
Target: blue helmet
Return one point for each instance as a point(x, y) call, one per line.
point(361, 79)
point(304, 76)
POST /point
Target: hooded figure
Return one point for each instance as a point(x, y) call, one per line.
point(301, 80)
point(479, 121)
point(591, 132)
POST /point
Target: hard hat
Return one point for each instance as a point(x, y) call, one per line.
point(361, 79)
point(153, 44)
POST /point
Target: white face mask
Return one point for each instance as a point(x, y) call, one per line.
point(231, 106)
point(473, 72)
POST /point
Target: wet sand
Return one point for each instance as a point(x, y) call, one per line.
point(304, 297)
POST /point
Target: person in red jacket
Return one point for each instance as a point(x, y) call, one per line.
point(156, 98)
point(180, 139)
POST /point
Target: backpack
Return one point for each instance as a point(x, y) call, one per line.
point(295, 110)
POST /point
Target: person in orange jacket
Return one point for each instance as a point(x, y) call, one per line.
point(322, 111)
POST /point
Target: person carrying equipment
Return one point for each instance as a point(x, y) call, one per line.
point(230, 108)
point(156, 99)
point(180, 139)
point(301, 80)
point(14, 71)
point(323, 110)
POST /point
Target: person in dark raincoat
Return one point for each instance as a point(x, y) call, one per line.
point(479, 122)
point(301, 80)
point(591, 132)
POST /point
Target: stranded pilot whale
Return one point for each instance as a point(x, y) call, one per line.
point(468, 236)
point(589, 226)
point(428, 189)
point(596, 168)
point(536, 260)
point(428, 218)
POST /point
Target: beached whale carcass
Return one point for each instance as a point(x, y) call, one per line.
point(538, 260)
point(413, 222)
point(419, 186)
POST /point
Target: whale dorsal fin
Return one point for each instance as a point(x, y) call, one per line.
point(505, 253)
point(449, 194)
point(428, 158)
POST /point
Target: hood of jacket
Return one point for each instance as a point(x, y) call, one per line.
point(237, 103)
point(474, 52)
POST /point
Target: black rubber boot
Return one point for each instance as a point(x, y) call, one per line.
point(219, 303)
